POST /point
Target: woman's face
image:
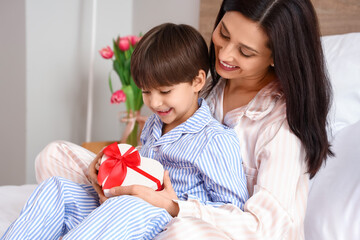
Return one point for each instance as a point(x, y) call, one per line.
point(241, 48)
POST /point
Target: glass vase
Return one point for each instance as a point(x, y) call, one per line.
point(132, 139)
point(131, 133)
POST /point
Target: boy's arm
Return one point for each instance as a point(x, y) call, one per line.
point(222, 171)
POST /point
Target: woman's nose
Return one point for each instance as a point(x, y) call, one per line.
point(226, 52)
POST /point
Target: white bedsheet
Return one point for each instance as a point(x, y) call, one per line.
point(12, 200)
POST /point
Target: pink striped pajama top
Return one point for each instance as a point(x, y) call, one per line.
point(273, 160)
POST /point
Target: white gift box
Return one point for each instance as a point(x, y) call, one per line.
point(138, 175)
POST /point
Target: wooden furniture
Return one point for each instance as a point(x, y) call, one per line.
point(96, 147)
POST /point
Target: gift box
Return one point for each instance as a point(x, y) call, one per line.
point(122, 165)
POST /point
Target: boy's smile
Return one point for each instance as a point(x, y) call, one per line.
point(163, 113)
point(173, 104)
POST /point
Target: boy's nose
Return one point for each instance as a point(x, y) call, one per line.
point(156, 102)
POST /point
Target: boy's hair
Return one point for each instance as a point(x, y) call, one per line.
point(169, 54)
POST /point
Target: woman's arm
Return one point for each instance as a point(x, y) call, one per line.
point(275, 211)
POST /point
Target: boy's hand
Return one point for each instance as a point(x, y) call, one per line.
point(162, 199)
point(92, 176)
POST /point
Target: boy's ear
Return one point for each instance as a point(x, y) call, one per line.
point(199, 81)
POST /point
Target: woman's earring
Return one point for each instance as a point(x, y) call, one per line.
point(272, 65)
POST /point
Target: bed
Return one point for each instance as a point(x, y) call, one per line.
point(332, 211)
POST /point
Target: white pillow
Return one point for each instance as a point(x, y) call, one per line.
point(333, 210)
point(342, 55)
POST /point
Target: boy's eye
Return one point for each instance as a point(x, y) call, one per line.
point(145, 92)
point(165, 92)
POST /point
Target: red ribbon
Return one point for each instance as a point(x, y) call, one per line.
point(115, 167)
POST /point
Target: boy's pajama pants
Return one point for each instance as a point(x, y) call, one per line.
point(60, 207)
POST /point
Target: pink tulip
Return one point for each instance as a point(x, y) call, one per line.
point(106, 52)
point(118, 97)
point(134, 39)
point(124, 43)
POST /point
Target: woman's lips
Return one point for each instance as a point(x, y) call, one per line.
point(227, 66)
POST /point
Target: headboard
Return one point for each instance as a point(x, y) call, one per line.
point(335, 16)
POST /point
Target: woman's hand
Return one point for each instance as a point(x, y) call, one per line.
point(92, 175)
point(162, 199)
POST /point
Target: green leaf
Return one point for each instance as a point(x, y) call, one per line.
point(127, 55)
point(122, 57)
point(137, 95)
point(110, 84)
point(129, 97)
point(127, 71)
point(116, 50)
point(127, 63)
point(139, 102)
point(118, 69)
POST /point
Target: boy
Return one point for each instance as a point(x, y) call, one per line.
point(202, 156)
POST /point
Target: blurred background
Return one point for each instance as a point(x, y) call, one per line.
point(45, 64)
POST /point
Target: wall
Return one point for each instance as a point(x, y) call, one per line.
point(12, 97)
point(48, 71)
point(58, 61)
point(147, 13)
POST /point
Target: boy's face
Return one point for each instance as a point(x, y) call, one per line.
point(173, 104)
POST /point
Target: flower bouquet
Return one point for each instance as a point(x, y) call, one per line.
point(129, 93)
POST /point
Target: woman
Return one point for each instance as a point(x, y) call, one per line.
point(269, 83)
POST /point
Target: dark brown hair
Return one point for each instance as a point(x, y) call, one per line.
point(169, 54)
point(294, 39)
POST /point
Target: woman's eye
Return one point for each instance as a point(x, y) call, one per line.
point(223, 35)
point(245, 53)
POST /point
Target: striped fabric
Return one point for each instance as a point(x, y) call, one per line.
point(273, 160)
point(202, 156)
point(204, 162)
point(65, 159)
point(59, 206)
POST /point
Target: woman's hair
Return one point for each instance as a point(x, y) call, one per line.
point(294, 39)
point(169, 54)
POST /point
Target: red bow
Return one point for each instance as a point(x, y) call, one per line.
point(115, 167)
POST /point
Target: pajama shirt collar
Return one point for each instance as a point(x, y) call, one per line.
point(193, 125)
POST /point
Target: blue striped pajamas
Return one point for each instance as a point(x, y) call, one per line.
point(204, 162)
point(59, 206)
point(203, 158)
